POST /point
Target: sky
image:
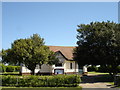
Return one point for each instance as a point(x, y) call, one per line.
point(119, 12)
point(56, 22)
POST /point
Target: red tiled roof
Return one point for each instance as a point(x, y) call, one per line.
point(67, 51)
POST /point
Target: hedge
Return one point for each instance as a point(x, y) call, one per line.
point(9, 68)
point(92, 68)
point(12, 68)
point(2, 68)
point(101, 69)
point(117, 80)
point(41, 81)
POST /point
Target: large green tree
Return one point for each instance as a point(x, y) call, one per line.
point(7, 57)
point(30, 51)
point(99, 44)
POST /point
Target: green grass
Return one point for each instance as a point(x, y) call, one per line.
point(112, 83)
point(97, 73)
point(42, 88)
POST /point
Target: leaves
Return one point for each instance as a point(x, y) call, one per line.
point(98, 43)
point(30, 51)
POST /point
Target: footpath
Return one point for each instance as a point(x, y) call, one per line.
point(95, 81)
point(96, 85)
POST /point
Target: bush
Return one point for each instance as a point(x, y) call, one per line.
point(118, 68)
point(9, 80)
point(117, 80)
point(41, 81)
point(16, 68)
point(106, 69)
point(10, 68)
point(2, 68)
point(92, 68)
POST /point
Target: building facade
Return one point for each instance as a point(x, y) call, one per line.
point(66, 63)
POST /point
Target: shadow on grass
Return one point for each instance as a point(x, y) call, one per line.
point(97, 78)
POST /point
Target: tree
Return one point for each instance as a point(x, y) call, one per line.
point(99, 44)
point(7, 57)
point(30, 51)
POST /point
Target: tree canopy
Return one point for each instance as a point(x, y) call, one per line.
point(98, 44)
point(30, 51)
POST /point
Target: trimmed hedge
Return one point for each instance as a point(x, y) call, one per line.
point(2, 68)
point(9, 68)
point(41, 81)
point(17, 68)
point(12, 68)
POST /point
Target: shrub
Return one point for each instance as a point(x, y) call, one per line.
point(10, 68)
point(2, 68)
point(103, 69)
point(16, 68)
point(118, 68)
point(117, 81)
point(92, 68)
point(41, 81)
point(9, 80)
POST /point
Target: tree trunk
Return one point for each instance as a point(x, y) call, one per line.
point(40, 66)
point(33, 72)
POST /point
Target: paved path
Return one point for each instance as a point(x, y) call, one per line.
point(95, 85)
point(95, 81)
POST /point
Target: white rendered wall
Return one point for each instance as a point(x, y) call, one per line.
point(25, 70)
point(50, 69)
point(67, 66)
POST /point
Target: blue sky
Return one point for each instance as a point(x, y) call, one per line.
point(55, 22)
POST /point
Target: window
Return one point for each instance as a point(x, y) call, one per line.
point(58, 65)
point(70, 65)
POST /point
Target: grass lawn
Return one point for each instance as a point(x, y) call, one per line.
point(42, 88)
point(112, 83)
point(97, 73)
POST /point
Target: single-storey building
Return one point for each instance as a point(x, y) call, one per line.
point(66, 63)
